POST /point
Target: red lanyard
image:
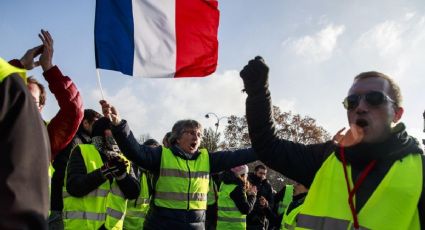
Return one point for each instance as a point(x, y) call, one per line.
point(352, 192)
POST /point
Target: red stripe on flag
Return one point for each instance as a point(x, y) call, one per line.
point(196, 37)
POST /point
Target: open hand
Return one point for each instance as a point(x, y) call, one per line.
point(46, 56)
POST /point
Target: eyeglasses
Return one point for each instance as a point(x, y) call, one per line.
point(193, 133)
point(373, 98)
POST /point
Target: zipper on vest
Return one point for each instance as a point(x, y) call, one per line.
point(188, 188)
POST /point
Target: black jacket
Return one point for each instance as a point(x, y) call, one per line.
point(245, 203)
point(301, 162)
point(24, 158)
point(149, 158)
point(259, 214)
point(79, 183)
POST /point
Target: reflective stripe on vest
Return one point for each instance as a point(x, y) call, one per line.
point(178, 196)
point(137, 209)
point(286, 199)
point(105, 205)
point(95, 193)
point(229, 216)
point(84, 215)
point(7, 69)
point(182, 184)
point(326, 205)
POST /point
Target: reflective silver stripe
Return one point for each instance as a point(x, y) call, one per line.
point(183, 174)
point(229, 219)
point(135, 214)
point(84, 215)
point(180, 196)
point(202, 175)
point(143, 201)
point(96, 192)
point(228, 209)
point(316, 222)
point(117, 191)
point(114, 213)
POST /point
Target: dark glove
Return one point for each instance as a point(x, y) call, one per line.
point(109, 169)
point(255, 76)
point(121, 164)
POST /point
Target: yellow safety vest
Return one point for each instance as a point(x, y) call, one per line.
point(7, 69)
point(229, 216)
point(104, 205)
point(138, 208)
point(286, 199)
point(289, 220)
point(393, 204)
point(182, 184)
point(212, 193)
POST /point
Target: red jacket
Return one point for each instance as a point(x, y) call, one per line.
point(64, 125)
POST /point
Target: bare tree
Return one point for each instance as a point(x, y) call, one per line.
point(288, 126)
point(210, 140)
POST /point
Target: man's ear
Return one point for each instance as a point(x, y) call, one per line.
point(398, 112)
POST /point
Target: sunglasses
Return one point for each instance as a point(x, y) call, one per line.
point(373, 98)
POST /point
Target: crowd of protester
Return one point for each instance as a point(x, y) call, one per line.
point(95, 175)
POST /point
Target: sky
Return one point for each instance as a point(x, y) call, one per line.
point(313, 49)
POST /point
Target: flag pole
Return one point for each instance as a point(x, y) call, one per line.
point(99, 84)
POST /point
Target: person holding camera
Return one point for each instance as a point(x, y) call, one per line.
point(99, 180)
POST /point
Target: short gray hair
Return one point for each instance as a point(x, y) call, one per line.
point(180, 126)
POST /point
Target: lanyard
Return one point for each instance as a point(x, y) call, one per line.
point(352, 192)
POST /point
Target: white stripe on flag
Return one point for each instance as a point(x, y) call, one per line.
point(154, 38)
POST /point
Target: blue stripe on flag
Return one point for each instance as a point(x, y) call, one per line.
point(114, 35)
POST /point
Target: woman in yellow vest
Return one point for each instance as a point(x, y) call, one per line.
point(236, 198)
point(181, 172)
point(98, 183)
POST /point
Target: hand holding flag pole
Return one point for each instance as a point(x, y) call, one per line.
point(110, 112)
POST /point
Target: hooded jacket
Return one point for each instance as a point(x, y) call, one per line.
point(245, 203)
point(149, 158)
point(301, 162)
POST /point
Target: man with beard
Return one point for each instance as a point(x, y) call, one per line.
point(262, 213)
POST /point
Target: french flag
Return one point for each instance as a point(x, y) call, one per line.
point(157, 38)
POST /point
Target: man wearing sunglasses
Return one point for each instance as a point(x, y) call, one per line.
point(370, 178)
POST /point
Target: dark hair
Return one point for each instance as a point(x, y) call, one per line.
point(151, 142)
point(100, 126)
point(42, 98)
point(90, 116)
point(180, 126)
point(394, 88)
point(260, 167)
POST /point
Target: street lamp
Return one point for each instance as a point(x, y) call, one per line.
point(218, 120)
